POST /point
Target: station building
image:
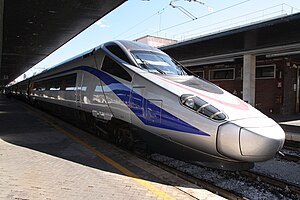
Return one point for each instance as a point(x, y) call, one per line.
point(258, 63)
point(275, 87)
point(155, 41)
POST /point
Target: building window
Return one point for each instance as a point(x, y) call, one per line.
point(199, 73)
point(266, 71)
point(222, 74)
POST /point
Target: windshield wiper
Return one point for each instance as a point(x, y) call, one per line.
point(159, 70)
point(145, 65)
point(179, 68)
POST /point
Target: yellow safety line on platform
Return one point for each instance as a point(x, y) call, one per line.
point(116, 165)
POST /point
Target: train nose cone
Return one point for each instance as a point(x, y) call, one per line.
point(252, 140)
point(261, 143)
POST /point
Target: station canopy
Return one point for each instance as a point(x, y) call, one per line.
point(33, 29)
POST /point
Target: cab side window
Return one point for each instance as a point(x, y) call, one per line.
point(113, 68)
point(115, 49)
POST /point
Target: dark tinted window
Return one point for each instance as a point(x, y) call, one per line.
point(115, 49)
point(200, 73)
point(67, 82)
point(265, 71)
point(223, 74)
point(115, 69)
point(155, 62)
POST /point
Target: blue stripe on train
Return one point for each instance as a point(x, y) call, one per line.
point(149, 113)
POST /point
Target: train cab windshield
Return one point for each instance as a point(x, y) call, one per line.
point(157, 63)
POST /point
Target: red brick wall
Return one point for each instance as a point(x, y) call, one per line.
point(268, 96)
point(273, 95)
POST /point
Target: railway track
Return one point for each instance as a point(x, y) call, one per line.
point(290, 152)
point(277, 188)
point(292, 145)
point(271, 187)
point(288, 157)
point(271, 181)
point(201, 183)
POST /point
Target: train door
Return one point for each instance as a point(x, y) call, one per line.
point(29, 90)
point(137, 102)
point(145, 105)
point(116, 84)
point(79, 89)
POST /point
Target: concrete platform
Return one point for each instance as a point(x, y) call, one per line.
point(290, 124)
point(42, 157)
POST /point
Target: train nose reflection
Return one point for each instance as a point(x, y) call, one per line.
point(261, 142)
point(246, 140)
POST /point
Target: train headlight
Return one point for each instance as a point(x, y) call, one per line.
point(202, 107)
point(189, 103)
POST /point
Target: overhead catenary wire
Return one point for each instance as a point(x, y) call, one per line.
point(239, 17)
point(141, 22)
point(182, 9)
point(160, 13)
point(176, 25)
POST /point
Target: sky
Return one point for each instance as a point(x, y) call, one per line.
point(182, 20)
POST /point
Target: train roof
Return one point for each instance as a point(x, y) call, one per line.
point(126, 44)
point(133, 45)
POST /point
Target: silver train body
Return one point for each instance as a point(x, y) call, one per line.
point(138, 93)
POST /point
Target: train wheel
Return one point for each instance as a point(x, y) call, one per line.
point(99, 129)
point(141, 148)
point(123, 137)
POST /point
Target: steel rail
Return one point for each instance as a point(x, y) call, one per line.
point(271, 181)
point(201, 183)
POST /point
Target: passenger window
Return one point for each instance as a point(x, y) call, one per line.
point(115, 69)
point(67, 82)
point(116, 50)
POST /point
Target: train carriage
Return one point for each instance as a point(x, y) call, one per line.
point(140, 97)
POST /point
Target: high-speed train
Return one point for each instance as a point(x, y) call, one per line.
point(140, 97)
